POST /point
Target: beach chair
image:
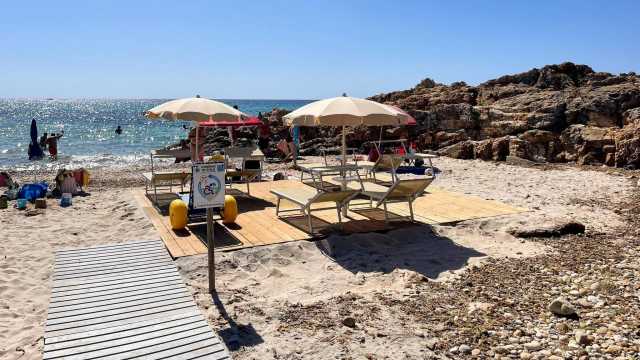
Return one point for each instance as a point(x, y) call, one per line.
point(306, 196)
point(400, 191)
point(384, 169)
point(165, 179)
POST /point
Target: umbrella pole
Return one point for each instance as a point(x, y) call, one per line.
point(344, 145)
point(197, 141)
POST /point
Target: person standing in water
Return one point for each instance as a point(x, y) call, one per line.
point(43, 141)
point(52, 143)
point(118, 130)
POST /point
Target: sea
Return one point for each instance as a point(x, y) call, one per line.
point(89, 125)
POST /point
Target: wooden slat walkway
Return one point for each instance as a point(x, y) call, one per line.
point(124, 301)
point(257, 223)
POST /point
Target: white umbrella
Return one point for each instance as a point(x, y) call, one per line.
point(196, 109)
point(346, 111)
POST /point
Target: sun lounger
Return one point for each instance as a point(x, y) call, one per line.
point(400, 191)
point(165, 179)
point(244, 176)
point(307, 196)
point(386, 164)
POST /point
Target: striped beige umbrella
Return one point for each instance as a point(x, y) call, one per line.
point(346, 111)
point(196, 109)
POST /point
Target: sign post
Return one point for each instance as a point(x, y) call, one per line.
point(208, 193)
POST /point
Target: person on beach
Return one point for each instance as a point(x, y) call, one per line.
point(264, 133)
point(43, 141)
point(273, 117)
point(52, 143)
point(118, 130)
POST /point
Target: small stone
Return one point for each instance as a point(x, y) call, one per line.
point(454, 350)
point(602, 330)
point(476, 352)
point(583, 291)
point(465, 349)
point(595, 286)
point(431, 343)
point(349, 322)
point(613, 349)
point(525, 355)
point(477, 306)
point(533, 346)
point(561, 307)
point(562, 327)
point(585, 303)
point(583, 338)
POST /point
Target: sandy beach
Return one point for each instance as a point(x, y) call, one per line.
point(414, 292)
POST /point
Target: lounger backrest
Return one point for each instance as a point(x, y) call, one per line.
point(408, 188)
point(334, 196)
point(169, 176)
point(389, 162)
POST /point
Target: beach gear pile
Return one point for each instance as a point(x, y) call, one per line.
point(67, 184)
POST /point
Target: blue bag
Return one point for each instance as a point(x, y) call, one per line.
point(33, 191)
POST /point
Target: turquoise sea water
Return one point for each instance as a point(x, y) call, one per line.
point(89, 129)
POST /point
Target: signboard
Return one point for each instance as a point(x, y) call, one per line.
point(208, 185)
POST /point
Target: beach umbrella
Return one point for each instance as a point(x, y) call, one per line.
point(199, 110)
point(346, 111)
point(195, 109)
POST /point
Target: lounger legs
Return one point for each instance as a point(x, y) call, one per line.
point(386, 216)
point(411, 209)
point(278, 206)
point(309, 217)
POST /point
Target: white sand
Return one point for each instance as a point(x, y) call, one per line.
point(27, 246)
point(256, 284)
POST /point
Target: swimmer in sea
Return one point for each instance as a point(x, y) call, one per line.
point(119, 130)
point(52, 143)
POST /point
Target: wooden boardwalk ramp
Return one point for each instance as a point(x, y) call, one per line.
point(124, 301)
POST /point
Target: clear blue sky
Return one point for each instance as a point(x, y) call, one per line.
point(298, 49)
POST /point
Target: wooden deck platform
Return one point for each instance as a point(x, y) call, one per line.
point(258, 224)
point(124, 301)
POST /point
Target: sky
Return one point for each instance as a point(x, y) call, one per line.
point(298, 49)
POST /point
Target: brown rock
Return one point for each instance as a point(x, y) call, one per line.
point(461, 150)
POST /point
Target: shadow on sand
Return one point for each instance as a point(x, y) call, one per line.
point(415, 248)
point(236, 335)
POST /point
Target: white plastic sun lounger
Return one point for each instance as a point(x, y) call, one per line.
point(306, 196)
point(400, 191)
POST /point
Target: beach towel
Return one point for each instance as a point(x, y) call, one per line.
point(33, 191)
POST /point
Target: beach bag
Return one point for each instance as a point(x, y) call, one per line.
point(5, 180)
point(69, 185)
point(81, 176)
point(33, 191)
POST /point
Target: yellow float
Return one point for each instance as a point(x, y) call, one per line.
point(230, 211)
point(178, 213)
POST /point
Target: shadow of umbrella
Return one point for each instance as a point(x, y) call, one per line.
point(417, 249)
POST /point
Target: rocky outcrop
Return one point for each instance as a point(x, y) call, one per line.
point(559, 113)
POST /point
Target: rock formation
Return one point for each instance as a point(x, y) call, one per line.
point(560, 113)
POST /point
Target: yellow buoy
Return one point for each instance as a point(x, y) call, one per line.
point(178, 214)
point(230, 211)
